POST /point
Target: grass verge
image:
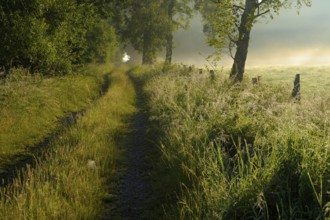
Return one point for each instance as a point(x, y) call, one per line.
point(70, 183)
point(32, 106)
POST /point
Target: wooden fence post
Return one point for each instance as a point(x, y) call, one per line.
point(256, 80)
point(259, 79)
point(296, 87)
point(212, 73)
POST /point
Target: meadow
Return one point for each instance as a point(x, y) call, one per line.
point(241, 151)
point(314, 79)
point(225, 151)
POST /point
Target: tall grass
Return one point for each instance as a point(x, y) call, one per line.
point(71, 181)
point(239, 151)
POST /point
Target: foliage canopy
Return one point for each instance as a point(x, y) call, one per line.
point(51, 36)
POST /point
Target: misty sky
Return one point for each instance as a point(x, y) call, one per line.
point(288, 39)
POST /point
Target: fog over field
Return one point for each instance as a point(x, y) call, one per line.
point(288, 39)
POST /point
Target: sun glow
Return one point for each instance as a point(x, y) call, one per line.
point(309, 57)
point(126, 58)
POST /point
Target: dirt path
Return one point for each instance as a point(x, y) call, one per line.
point(130, 189)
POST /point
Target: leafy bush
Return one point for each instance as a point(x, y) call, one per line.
point(102, 43)
point(52, 36)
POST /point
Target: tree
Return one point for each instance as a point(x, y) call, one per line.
point(42, 35)
point(102, 43)
point(102, 38)
point(231, 21)
point(146, 26)
point(53, 36)
point(178, 14)
point(169, 36)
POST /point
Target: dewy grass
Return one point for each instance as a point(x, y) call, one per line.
point(239, 151)
point(70, 182)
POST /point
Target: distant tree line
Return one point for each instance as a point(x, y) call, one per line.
point(149, 25)
point(54, 36)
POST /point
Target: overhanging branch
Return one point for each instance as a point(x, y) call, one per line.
point(238, 7)
point(232, 39)
point(231, 52)
point(261, 13)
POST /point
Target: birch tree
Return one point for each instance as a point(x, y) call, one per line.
point(230, 22)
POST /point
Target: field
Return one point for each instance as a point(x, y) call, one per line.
point(217, 150)
point(86, 132)
point(313, 78)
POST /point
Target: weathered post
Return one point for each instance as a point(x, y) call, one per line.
point(212, 74)
point(256, 80)
point(296, 87)
point(259, 79)
point(190, 69)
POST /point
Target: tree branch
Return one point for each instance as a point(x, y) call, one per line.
point(232, 39)
point(262, 13)
point(238, 7)
point(237, 26)
point(231, 52)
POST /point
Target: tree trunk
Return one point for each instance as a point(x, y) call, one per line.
point(169, 49)
point(169, 37)
point(147, 56)
point(238, 68)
